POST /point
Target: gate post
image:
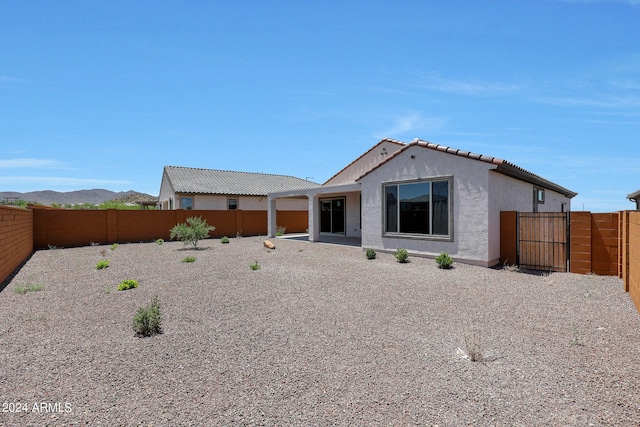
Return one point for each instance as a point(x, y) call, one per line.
point(509, 237)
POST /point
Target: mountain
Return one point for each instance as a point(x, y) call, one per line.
point(94, 197)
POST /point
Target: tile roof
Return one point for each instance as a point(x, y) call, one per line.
point(503, 166)
point(213, 181)
point(391, 140)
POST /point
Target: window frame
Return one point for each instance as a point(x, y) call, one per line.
point(229, 199)
point(433, 237)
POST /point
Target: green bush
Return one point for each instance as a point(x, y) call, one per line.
point(225, 239)
point(127, 284)
point(280, 230)
point(102, 264)
point(159, 241)
point(255, 266)
point(189, 259)
point(371, 253)
point(191, 231)
point(147, 320)
point(401, 255)
point(444, 260)
point(114, 246)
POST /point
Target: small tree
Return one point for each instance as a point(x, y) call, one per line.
point(191, 231)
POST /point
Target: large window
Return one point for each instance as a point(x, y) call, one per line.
point(187, 203)
point(419, 208)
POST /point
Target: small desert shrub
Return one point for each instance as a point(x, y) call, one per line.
point(401, 255)
point(102, 264)
point(473, 343)
point(280, 230)
point(189, 259)
point(159, 241)
point(114, 246)
point(191, 231)
point(254, 266)
point(510, 267)
point(225, 239)
point(147, 320)
point(576, 337)
point(127, 284)
point(370, 253)
point(31, 287)
point(444, 260)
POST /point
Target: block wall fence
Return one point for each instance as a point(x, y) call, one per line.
point(605, 244)
point(24, 230)
point(16, 239)
point(594, 243)
point(629, 259)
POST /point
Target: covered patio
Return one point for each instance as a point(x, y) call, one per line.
point(334, 213)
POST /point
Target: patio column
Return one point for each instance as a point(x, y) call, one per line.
point(314, 215)
point(271, 216)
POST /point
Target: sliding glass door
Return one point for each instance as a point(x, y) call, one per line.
point(332, 215)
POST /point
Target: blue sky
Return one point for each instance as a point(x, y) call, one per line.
point(104, 94)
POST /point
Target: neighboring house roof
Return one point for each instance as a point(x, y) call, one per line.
point(634, 196)
point(504, 167)
point(213, 181)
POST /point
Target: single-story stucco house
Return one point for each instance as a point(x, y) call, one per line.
point(212, 189)
point(426, 198)
point(635, 198)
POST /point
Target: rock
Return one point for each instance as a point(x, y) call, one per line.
point(268, 244)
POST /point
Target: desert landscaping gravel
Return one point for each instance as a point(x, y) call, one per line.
point(319, 335)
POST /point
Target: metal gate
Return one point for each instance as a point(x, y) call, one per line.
point(543, 241)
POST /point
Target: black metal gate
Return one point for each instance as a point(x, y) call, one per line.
point(543, 241)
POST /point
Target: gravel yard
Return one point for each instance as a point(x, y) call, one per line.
point(319, 335)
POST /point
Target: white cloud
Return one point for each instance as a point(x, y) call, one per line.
point(411, 122)
point(597, 100)
point(7, 79)
point(474, 87)
point(28, 163)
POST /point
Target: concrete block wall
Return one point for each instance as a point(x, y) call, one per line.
point(604, 243)
point(580, 242)
point(594, 243)
point(68, 228)
point(16, 239)
point(629, 254)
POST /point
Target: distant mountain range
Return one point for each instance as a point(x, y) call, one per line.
point(94, 197)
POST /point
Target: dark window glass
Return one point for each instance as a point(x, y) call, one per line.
point(391, 203)
point(414, 208)
point(440, 203)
